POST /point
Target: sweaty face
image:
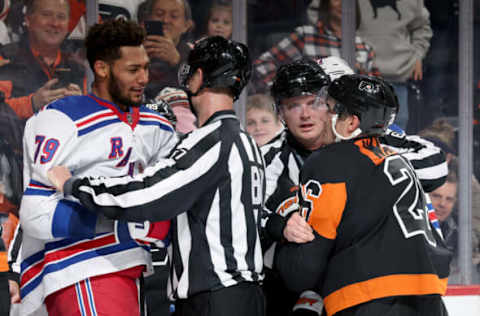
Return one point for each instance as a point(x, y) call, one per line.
point(129, 76)
point(172, 14)
point(220, 23)
point(48, 23)
point(262, 125)
point(443, 200)
point(308, 119)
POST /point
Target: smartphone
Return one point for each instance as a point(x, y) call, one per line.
point(154, 27)
point(64, 77)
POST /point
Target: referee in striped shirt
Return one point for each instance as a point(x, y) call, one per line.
point(212, 186)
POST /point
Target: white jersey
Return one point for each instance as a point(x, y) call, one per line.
point(63, 242)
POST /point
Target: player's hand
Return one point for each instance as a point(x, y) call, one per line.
point(73, 89)
point(298, 230)
point(163, 48)
point(58, 175)
point(14, 292)
point(417, 73)
point(47, 94)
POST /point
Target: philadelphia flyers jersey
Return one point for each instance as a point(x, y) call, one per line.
point(373, 235)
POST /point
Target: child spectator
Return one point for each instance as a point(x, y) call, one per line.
point(263, 122)
point(220, 19)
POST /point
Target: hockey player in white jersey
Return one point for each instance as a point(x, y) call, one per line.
point(74, 261)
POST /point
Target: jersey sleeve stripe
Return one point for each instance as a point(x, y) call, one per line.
point(38, 188)
point(327, 209)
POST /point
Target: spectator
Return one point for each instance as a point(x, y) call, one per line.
point(442, 134)
point(166, 52)
point(219, 19)
point(39, 72)
point(444, 200)
point(263, 122)
point(407, 24)
point(319, 40)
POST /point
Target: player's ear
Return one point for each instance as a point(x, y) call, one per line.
point(101, 68)
point(196, 81)
point(354, 123)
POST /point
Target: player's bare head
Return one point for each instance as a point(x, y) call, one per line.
point(104, 40)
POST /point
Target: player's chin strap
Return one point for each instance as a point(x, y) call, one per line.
point(190, 94)
point(339, 137)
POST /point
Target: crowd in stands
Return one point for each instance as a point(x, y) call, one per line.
point(411, 43)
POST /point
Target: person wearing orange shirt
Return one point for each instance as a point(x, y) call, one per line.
point(39, 72)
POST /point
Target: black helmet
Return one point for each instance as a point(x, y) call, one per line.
point(225, 64)
point(301, 77)
point(371, 99)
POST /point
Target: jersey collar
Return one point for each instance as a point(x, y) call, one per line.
point(220, 115)
point(130, 118)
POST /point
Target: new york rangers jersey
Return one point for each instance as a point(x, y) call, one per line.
point(64, 243)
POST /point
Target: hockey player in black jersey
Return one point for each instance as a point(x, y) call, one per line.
point(375, 251)
point(299, 93)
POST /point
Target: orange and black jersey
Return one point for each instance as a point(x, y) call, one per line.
point(373, 235)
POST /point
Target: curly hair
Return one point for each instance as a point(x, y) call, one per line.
point(104, 40)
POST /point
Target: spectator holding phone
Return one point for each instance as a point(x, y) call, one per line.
point(166, 42)
point(39, 72)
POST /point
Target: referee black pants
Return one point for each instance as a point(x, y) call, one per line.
point(244, 299)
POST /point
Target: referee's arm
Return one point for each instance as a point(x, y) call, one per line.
point(162, 191)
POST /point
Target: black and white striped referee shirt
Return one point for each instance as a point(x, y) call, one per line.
point(212, 186)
